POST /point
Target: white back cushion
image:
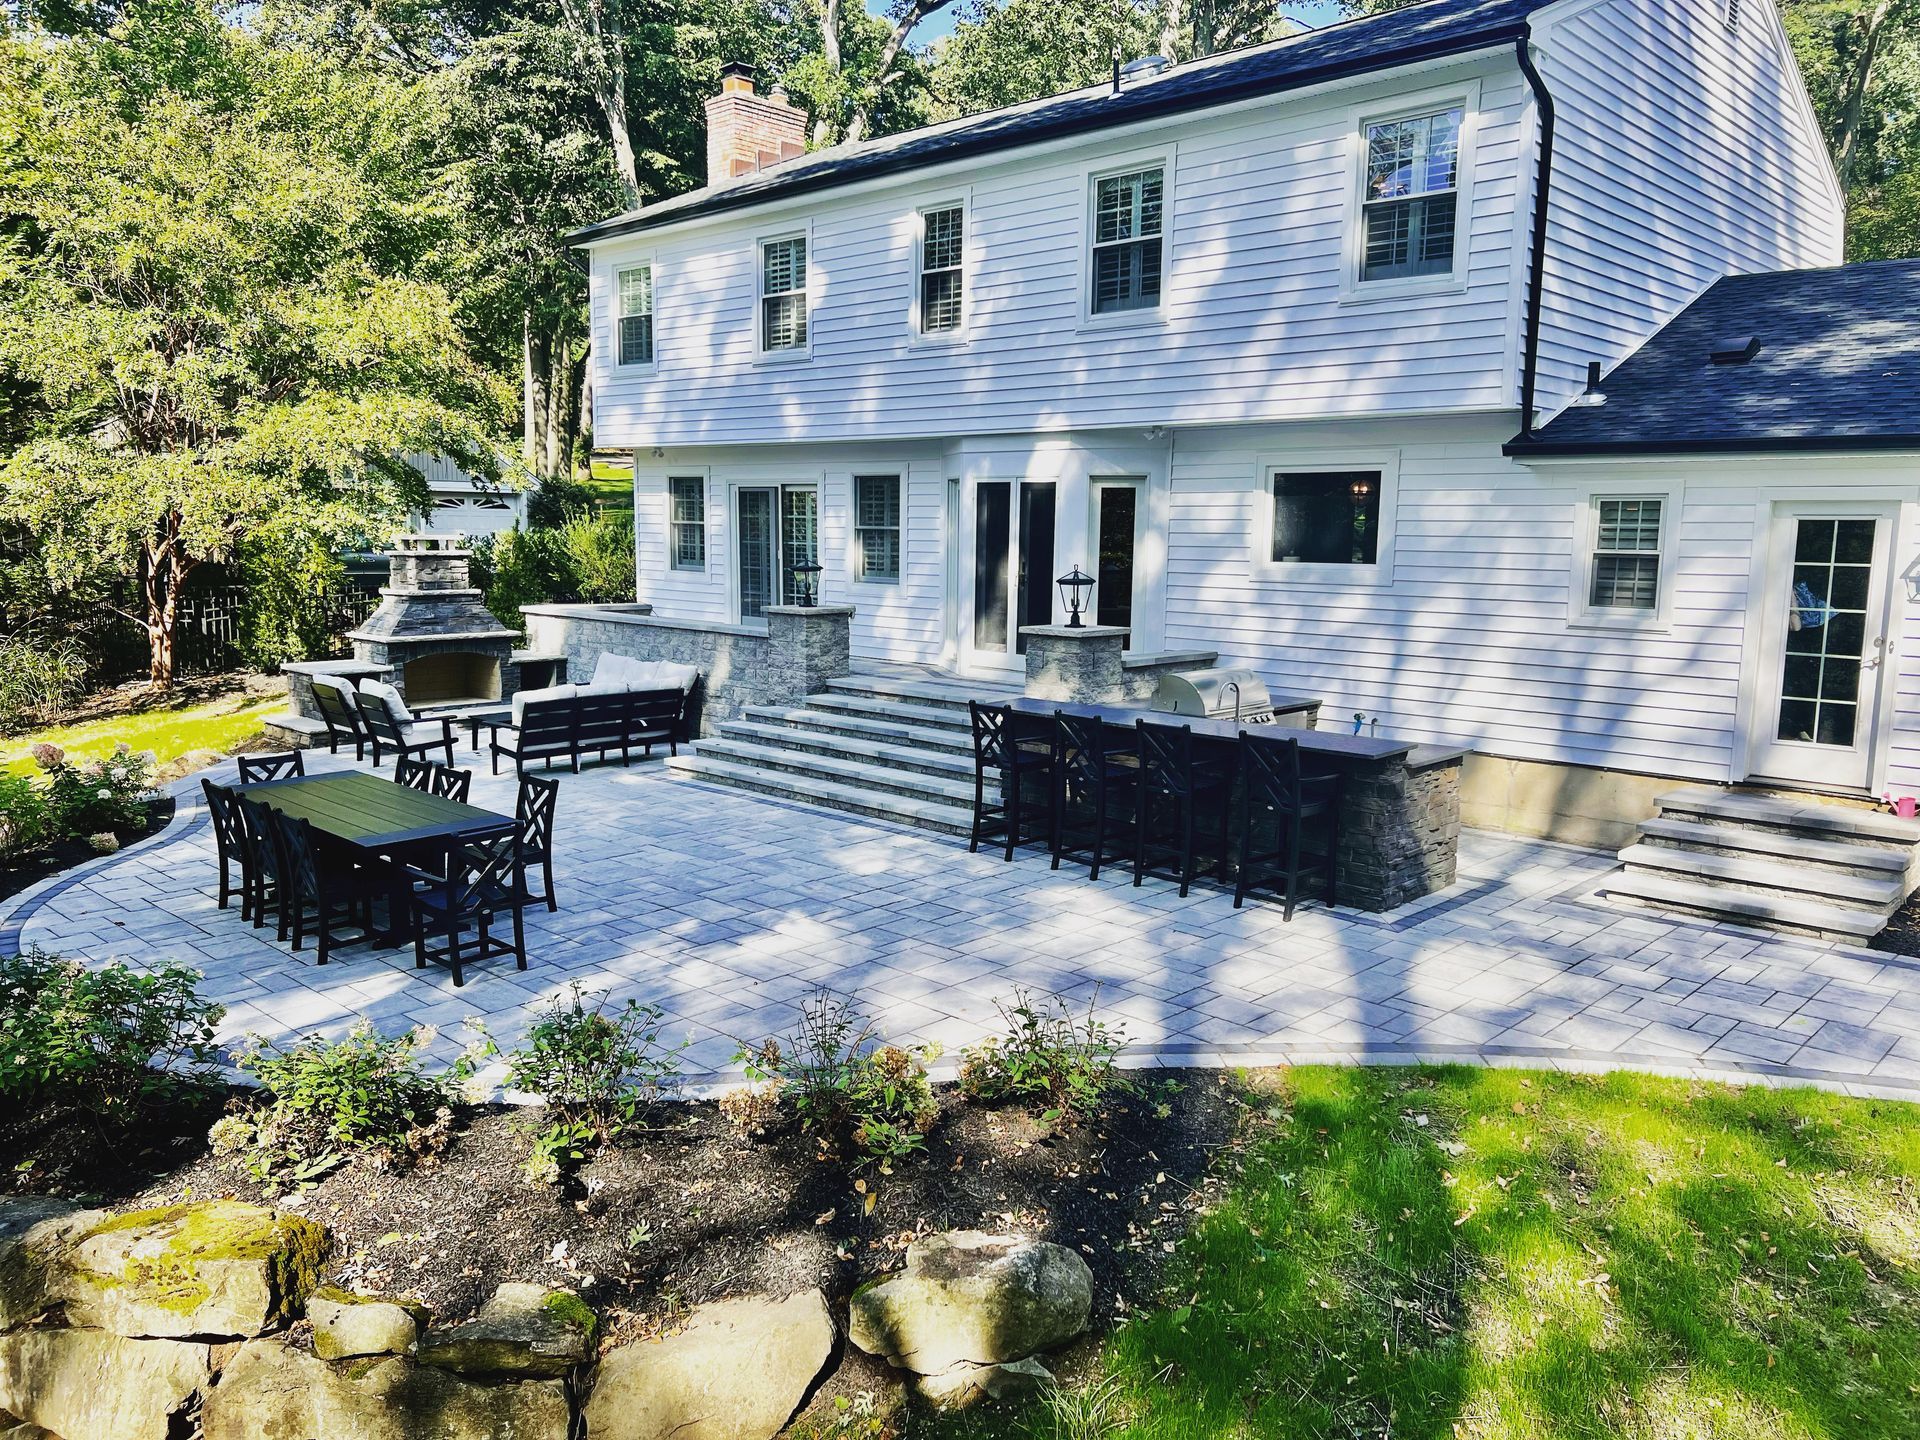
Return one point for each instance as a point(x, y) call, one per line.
point(526, 697)
point(339, 686)
point(630, 674)
point(676, 676)
point(392, 696)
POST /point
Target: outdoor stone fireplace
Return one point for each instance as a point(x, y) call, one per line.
point(433, 632)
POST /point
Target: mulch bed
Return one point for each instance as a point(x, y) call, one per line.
point(1902, 935)
point(26, 870)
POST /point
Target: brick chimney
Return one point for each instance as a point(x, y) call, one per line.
point(747, 132)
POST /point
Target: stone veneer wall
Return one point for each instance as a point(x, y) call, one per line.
point(1399, 831)
point(801, 648)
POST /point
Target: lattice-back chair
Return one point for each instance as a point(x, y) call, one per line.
point(282, 765)
point(432, 778)
point(402, 734)
point(479, 887)
point(533, 816)
point(1095, 769)
point(260, 841)
point(339, 709)
point(1175, 788)
point(339, 895)
point(229, 838)
point(1000, 751)
point(1278, 792)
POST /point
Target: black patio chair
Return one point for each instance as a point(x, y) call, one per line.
point(481, 885)
point(1011, 751)
point(1279, 794)
point(533, 817)
point(387, 732)
point(230, 841)
point(433, 779)
point(263, 867)
point(1174, 788)
point(339, 709)
point(283, 765)
point(339, 895)
point(1095, 769)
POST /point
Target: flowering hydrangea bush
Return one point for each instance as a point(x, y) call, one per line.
point(87, 800)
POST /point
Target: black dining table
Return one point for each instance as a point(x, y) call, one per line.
point(367, 818)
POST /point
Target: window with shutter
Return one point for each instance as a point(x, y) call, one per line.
point(1128, 220)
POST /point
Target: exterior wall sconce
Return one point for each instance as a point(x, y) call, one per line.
point(1075, 586)
point(806, 584)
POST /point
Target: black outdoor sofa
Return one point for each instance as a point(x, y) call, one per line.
point(595, 723)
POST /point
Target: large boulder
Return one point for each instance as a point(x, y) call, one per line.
point(968, 1298)
point(965, 1386)
point(271, 1391)
point(523, 1330)
point(737, 1371)
point(218, 1267)
point(90, 1385)
point(34, 1230)
point(347, 1325)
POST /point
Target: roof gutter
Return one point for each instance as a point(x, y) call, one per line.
point(1537, 259)
point(1142, 107)
point(1523, 449)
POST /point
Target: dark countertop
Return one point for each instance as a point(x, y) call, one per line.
point(1321, 742)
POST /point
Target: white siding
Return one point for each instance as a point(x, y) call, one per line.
point(1684, 153)
point(1255, 325)
point(1903, 659)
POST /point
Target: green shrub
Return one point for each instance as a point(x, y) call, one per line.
point(597, 1070)
point(1048, 1056)
point(38, 679)
point(87, 797)
point(523, 567)
point(844, 1084)
point(109, 1041)
point(329, 1099)
point(26, 821)
point(599, 550)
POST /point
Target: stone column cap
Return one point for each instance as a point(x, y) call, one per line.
point(1072, 632)
point(822, 612)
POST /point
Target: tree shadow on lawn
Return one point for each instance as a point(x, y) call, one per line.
point(1545, 1256)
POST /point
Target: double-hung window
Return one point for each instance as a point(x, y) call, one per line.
point(687, 522)
point(876, 526)
point(1412, 196)
point(1129, 215)
point(783, 294)
point(1625, 563)
point(942, 282)
point(636, 315)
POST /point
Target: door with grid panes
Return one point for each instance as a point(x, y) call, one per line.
point(777, 528)
point(1824, 629)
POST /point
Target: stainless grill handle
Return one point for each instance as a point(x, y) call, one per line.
point(1234, 685)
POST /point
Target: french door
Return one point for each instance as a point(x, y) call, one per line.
point(779, 530)
point(1117, 514)
point(1013, 573)
point(1825, 639)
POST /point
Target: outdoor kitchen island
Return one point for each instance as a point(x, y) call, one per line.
point(1399, 811)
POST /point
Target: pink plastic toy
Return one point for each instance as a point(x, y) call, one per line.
point(1906, 807)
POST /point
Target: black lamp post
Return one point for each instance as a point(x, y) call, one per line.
point(1075, 586)
point(806, 584)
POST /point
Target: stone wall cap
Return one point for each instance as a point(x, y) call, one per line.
point(817, 612)
point(622, 610)
point(1143, 660)
point(1428, 757)
point(1073, 632)
point(333, 667)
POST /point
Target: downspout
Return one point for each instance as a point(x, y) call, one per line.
point(1537, 261)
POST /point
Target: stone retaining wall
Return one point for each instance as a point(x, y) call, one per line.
point(1399, 832)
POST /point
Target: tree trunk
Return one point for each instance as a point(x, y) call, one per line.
point(1170, 26)
point(583, 462)
point(1873, 25)
point(599, 35)
point(527, 426)
point(559, 404)
point(830, 51)
point(162, 576)
point(539, 400)
point(889, 56)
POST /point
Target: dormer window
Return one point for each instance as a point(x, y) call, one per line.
point(1412, 194)
point(783, 295)
point(1128, 217)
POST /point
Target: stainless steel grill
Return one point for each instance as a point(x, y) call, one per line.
point(1229, 693)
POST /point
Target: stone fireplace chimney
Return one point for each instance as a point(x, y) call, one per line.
point(747, 132)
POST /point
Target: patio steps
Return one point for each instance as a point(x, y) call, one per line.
point(1804, 868)
point(891, 748)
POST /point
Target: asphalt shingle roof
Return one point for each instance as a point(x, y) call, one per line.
point(1838, 367)
point(1431, 30)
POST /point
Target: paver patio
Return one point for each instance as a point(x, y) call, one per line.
point(727, 909)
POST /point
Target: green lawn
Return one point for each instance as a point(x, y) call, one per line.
point(611, 486)
point(169, 731)
point(1467, 1253)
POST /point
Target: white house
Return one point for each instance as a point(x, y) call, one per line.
point(1273, 344)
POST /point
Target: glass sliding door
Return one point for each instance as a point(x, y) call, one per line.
point(992, 545)
point(755, 528)
point(1036, 557)
point(799, 538)
point(1116, 515)
point(779, 529)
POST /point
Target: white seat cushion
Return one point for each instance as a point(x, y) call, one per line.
point(387, 693)
point(527, 697)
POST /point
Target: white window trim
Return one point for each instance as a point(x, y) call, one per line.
point(851, 562)
point(798, 353)
point(1164, 158)
point(1582, 615)
point(1268, 571)
point(706, 521)
point(962, 201)
point(1354, 290)
point(625, 267)
point(802, 480)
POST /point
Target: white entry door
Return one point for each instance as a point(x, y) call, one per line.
point(1824, 629)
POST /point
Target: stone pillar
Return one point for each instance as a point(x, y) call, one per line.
point(1082, 666)
point(808, 645)
point(1399, 832)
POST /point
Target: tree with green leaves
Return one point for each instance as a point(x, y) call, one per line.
point(216, 274)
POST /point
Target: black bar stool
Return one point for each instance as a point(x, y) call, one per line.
point(1276, 793)
point(1095, 769)
point(1006, 744)
point(1175, 786)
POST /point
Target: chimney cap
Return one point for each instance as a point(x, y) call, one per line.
point(736, 68)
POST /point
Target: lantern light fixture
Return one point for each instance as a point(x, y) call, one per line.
point(1075, 588)
point(806, 584)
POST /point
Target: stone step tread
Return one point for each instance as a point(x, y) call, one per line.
point(851, 772)
point(1775, 843)
point(835, 721)
point(1746, 907)
point(873, 752)
point(897, 711)
point(1738, 806)
point(937, 692)
point(953, 819)
point(1786, 877)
